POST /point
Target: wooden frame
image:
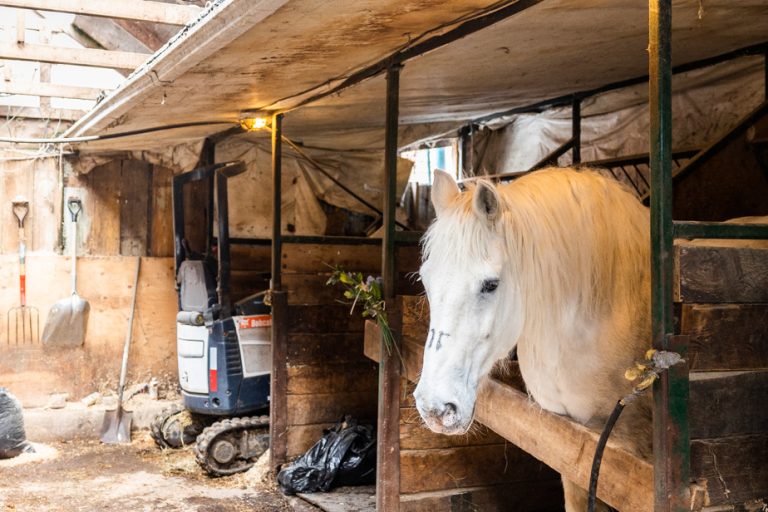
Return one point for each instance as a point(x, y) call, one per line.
point(50, 90)
point(75, 56)
point(140, 10)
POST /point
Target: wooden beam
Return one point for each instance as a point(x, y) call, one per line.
point(20, 26)
point(75, 56)
point(141, 10)
point(48, 90)
point(54, 114)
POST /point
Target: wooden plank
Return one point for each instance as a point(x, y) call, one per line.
point(313, 258)
point(325, 318)
point(726, 336)
point(412, 353)
point(101, 209)
point(626, 482)
point(734, 468)
point(162, 212)
point(310, 289)
point(278, 409)
point(541, 496)
point(76, 56)
point(135, 179)
point(467, 466)
point(46, 206)
point(249, 257)
point(329, 378)
point(712, 274)
point(20, 26)
point(728, 403)
point(414, 435)
point(50, 90)
point(333, 348)
point(300, 438)
point(141, 10)
point(330, 407)
point(54, 114)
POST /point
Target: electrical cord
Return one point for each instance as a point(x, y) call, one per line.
point(90, 138)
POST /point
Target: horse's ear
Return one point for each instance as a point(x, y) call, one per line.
point(486, 201)
point(444, 191)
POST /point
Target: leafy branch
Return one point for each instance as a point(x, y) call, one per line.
point(366, 292)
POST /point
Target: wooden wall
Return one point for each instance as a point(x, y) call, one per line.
point(33, 372)
point(126, 213)
point(723, 296)
point(324, 372)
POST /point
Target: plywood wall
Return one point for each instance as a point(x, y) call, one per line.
point(33, 372)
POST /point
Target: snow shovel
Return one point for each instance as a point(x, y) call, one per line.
point(68, 318)
point(117, 424)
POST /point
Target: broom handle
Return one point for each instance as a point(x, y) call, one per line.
point(126, 348)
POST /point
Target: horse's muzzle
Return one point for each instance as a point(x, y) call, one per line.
point(442, 418)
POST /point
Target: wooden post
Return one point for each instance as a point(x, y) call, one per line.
point(278, 409)
point(388, 435)
point(671, 445)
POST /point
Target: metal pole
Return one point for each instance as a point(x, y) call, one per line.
point(576, 130)
point(388, 436)
point(277, 195)
point(671, 444)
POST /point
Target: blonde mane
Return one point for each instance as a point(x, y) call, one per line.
point(576, 243)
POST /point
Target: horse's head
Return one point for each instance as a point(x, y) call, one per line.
point(475, 317)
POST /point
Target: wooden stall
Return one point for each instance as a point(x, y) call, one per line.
point(320, 372)
point(477, 471)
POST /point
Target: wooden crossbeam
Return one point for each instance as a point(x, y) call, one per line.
point(76, 56)
point(48, 90)
point(53, 114)
point(141, 10)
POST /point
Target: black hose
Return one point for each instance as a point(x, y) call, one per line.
point(595, 473)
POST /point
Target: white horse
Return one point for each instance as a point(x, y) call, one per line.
point(556, 264)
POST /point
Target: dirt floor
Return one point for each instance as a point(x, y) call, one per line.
point(90, 476)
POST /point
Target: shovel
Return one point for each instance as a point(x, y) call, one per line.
point(117, 424)
point(68, 318)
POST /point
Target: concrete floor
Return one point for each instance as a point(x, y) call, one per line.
point(87, 476)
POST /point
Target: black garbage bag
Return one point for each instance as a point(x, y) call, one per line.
point(345, 455)
point(13, 440)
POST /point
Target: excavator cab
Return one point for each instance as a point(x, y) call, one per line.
point(224, 349)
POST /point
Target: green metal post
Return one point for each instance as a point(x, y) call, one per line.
point(671, 445)
point(388, 435)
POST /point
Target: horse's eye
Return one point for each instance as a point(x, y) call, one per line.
point(490, 285)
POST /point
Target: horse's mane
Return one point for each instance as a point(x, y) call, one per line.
point(577, 243)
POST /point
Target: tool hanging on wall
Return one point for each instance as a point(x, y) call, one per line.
point(23, 321)
point(68, 317)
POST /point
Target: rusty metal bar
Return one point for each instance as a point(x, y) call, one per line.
point(277, 197)
point(671, 444)
point(576, 130)
point(388, 435)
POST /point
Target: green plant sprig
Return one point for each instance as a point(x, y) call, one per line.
point(366, 292)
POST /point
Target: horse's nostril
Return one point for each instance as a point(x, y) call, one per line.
point(450, 408)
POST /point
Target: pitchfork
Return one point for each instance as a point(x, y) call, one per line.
point(23, 320)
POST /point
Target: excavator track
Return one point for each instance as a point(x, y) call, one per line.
point(176, 427)
point(232, 445)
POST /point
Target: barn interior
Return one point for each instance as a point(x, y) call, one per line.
point(504, 88)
